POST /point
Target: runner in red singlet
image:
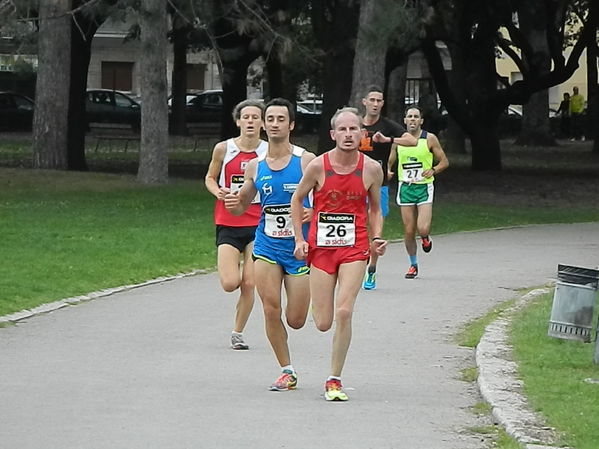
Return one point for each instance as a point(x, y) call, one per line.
point(347, 202)
point(235, 234)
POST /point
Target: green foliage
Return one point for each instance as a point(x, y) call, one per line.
point(469, 374)
point(554, 373)
point(471, 334)
point(66, 234)
point(501, 440)
point(481, 408)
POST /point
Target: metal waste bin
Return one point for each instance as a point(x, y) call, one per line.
point(573, 302)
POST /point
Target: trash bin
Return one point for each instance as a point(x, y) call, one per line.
point(573, 303)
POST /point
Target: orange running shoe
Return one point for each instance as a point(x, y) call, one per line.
point(427, 244)
point(412, 272)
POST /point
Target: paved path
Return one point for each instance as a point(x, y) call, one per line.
point(151, 367)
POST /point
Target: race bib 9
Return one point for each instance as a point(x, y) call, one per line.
point(277, 221)
point(336, 229)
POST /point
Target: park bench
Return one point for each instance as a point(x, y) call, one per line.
point(200, 130)
point(113, 132)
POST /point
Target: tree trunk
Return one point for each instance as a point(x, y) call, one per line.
point(178, 125)
point(335, 28)
point(336, 90)
point(455, 138)
point(80, 57)
point(153, 156)
point(52, 89)
point(279, 85)
point(395, 99)
point(235, 72)
point(371, 48)
point(535, 128)
point(486, 150)
point(236, 51)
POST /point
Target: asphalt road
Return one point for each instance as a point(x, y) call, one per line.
point(151, 367)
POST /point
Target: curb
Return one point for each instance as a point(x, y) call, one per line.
point(75, 300)
point(500, 387)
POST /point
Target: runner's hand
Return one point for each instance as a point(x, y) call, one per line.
point(379, 246)
point(307, 215)
point(222, 192)
point(301, 250)
point(379, 137)
point(232, 200)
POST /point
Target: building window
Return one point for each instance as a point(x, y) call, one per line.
point(117, 75)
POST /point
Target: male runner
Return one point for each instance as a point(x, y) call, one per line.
point(235, 235)
point(347, 199)
point(374, 122)
point(276, 175)
point(416, 174)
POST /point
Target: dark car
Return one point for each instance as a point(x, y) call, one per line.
point(111, 106)
point(16, 112)
point(206, 106)
point(306, 120)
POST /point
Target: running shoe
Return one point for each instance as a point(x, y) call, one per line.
point(427, 244)
point(412, 272)
point(333, 391)
point(237, 342)
point(286, 381)
point(369, 281)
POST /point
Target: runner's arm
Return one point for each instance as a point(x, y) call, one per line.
point(406, 139)
point(308, 182)
point(375, 215)
point(440, 159)
point(307, 157)
point(214, 169)
point(391, 162)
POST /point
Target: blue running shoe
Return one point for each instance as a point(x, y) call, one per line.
point(369, 281)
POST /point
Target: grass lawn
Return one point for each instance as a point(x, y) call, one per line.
point(69, 233)
point(556, 375)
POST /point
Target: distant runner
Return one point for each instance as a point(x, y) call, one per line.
point(416, 173)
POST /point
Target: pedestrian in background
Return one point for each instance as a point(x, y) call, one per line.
point(564, 113)
point(576, 113)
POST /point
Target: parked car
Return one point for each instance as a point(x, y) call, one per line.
point(314, 105)
point(306, 120)
point(206, 106)
point(16, 112)
point(188, 98)
point(111, 106)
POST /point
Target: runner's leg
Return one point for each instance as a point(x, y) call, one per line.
point(322, 288)
point(349, 279)
point(297, 289)
point(424, 220)
point(228, 267)
point(408, 216)
point(246, 296)
point(269, 278)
